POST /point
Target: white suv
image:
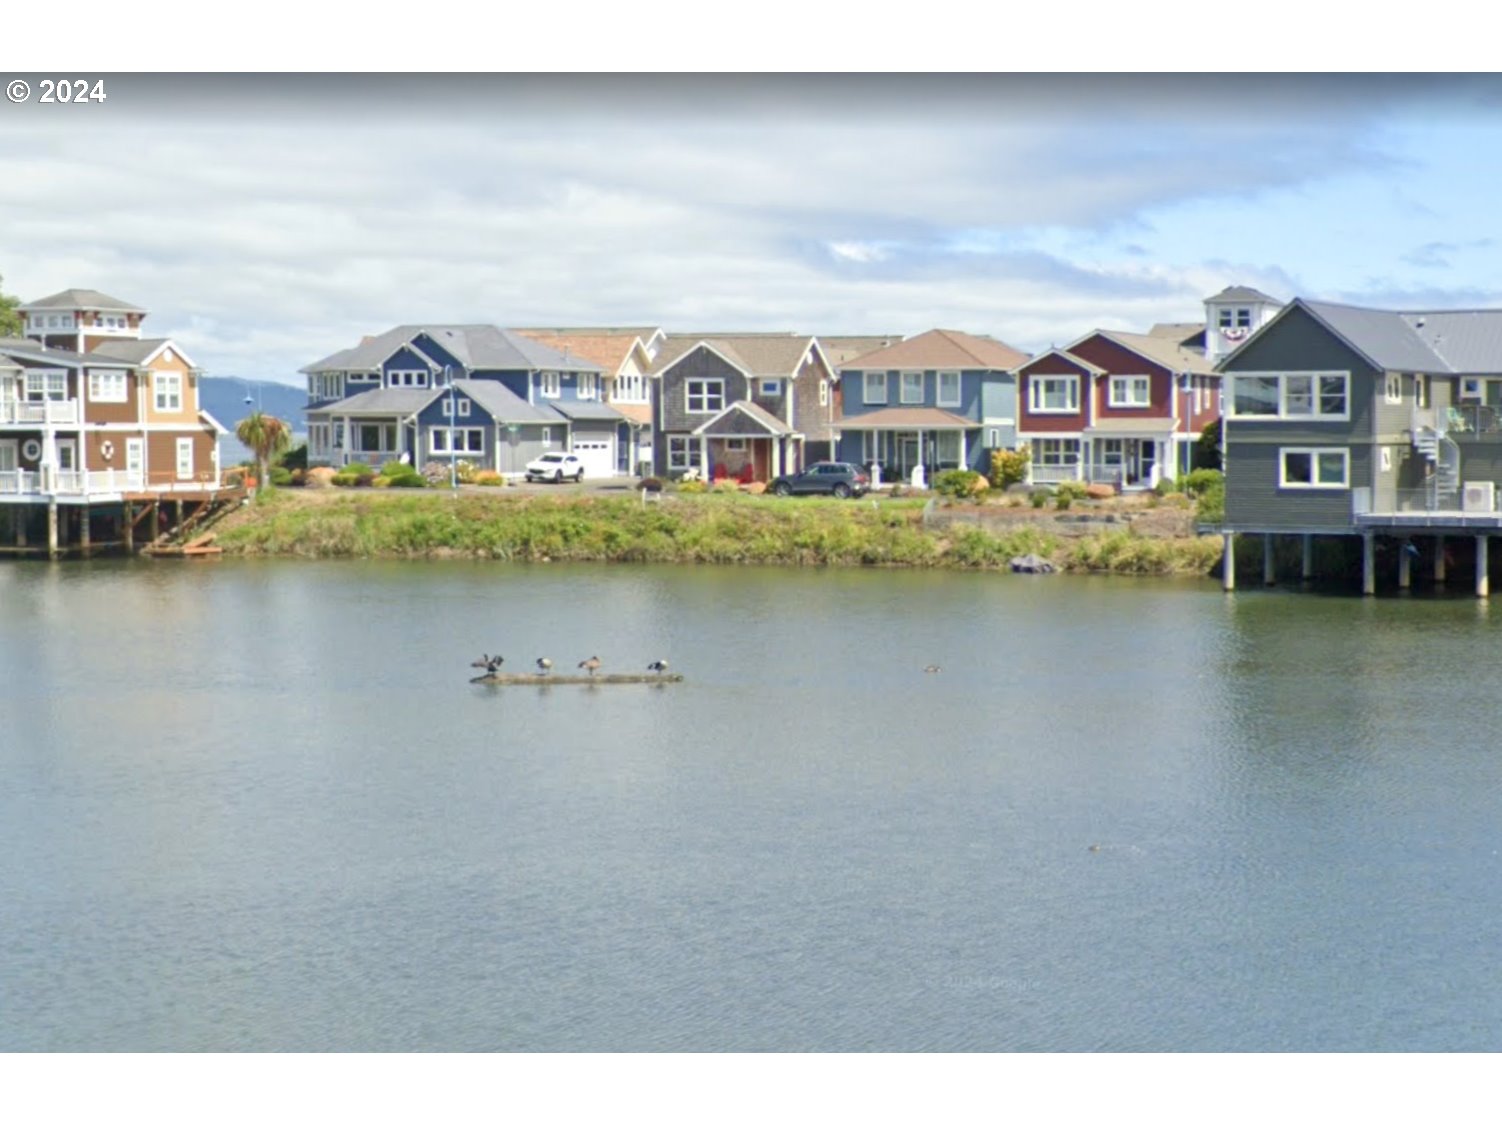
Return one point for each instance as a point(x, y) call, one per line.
point(555, 467)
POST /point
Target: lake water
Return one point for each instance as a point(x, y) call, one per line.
point(258, 806)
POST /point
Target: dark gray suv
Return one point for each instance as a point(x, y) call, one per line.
point(833, 478)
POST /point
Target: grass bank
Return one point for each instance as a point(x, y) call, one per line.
point(682, 529)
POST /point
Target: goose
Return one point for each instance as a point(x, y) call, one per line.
point(494, 665)
point(592, 664)
point(931, 668)
point(658, 666)
point(482, 663)
point(543, 664)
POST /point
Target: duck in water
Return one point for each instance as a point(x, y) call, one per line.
point(543, 664)
point(658, 666)
point(592, 664)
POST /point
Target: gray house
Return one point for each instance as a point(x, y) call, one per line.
point(1341, 420)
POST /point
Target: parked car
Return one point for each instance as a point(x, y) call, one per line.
point(834, 478)
point(555, 467)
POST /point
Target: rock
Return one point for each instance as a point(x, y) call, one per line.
point(1031, 565)
point(320, 478)
point(1100, 491)
point(756, 488)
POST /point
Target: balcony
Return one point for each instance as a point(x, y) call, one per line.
point(111, 483)
point(50, 412)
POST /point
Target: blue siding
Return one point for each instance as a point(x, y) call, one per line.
point(403, 359)
point(432, 414)
point(440, 356)
point(517, 382)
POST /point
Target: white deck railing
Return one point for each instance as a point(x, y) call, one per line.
point(96, 482)
point(52, 412)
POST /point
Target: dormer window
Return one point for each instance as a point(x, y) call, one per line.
point(1239, 317)
point(406, 379)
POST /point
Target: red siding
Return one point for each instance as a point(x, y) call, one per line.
point(1027, 421)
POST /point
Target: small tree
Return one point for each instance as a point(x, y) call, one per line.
point(10, 320)
point(267, 436)
point(1207, 449)
point(1009, 467)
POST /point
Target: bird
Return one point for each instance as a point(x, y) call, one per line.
point(931, 668)
point(482, 663)
point(493, 665)
point(543, 664)
point(658, 666)
point(591, 664)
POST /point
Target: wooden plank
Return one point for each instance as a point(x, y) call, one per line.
point(549, 678)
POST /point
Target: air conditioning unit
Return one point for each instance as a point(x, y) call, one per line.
point(1478, 496)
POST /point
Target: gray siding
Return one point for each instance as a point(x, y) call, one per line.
point(699, 364)
point(1260, 504)
point(515, 450)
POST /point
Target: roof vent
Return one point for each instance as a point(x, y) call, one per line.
point(1419, 323)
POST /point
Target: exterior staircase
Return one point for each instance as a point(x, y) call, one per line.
point(1440, 450)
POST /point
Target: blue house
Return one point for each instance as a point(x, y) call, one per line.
point(942, 400)
point(434, 393)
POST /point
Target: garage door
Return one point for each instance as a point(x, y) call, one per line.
point(598, 458)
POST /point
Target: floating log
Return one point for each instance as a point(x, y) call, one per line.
point(554, 678)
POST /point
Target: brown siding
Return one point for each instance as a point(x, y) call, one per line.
point(112, 412)
point(161, 455)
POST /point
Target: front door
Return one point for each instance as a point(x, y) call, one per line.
point(135, 461)
point(67, 454)
point(185, 459)
point(1147, 461)
point(907, 453)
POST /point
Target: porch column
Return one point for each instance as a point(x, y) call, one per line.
point(777, 457)
point(1228, 562)
point(1439, 560)
point(1368, 563)
point(1483, 577)
point(964, 459)
point(1405, 565)
point(1269, 562)
point(83, 530)
point(52, 529)
point(128, 529)
point(1307, 571)
point(704, 456)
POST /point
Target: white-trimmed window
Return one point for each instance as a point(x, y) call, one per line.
point(949, 389)
point(167, 390)
point(704, 396)
point(771, 387)
point(1053, 394)
point(1314, 467)
point(735, 445)
point(1392, 389)
point(547, 384)
point(874, 388)
point(824, 392)
point(463, 408)
point(339, 435)
point(106, 386)
point(629, 388)
point(683, 453)
point(546, 437)
point(185, 459)
point(1130, 391)
point(912, 387)
point(406, 379)
point(1240, 317)
point(1318, 396)
point(588, 385)
point(1056, 451)
point(42, 385)
point(466, 440)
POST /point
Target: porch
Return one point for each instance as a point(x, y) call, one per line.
point(900, 440)
point(747, 443)
point(1126, 462)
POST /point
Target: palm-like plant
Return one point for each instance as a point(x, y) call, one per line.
point(266, 436)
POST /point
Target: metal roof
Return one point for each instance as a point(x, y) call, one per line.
point(1384, 337)
point(17, 348)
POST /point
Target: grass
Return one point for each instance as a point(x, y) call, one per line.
point(709, 528)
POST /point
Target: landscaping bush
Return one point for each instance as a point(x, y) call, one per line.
point(1062, 501)
point(692, 487)
point(1009, 467)
point(466, 471)
point(294, 458)
point(957, 483)
point(1039, 497)
point(1200, 481)
point(281, 476)
point(1211, 508)
point(1074, 490)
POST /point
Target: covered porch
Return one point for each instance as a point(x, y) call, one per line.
point(1128, 453)
point(747, 443)
point(900, 440)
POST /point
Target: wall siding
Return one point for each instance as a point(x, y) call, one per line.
point(1260, 504)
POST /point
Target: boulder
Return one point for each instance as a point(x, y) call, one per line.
point(1100, 491)
point(1031, 565)
point(756, 488)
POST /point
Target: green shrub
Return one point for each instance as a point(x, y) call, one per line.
point(957, 483)
point(1039, 497)
point(1063, 500)
point(1211, 508)
point(1164, 487)
point(692, 487)
point(294, 458)
point(1074, 490)
point(1009, 467)
point(281, 476)
point(1200, 481)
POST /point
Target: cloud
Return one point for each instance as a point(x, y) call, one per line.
point(1437, 255)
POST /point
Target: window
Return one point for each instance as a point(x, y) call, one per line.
point(1392, 391)
point(949, 389)
point(547, 384)
point(339, 435)
point(106, 386)
point(705, 396)
point(463, 408)
point(546, 437)
point(1053, 394)
point(406, 379)
point(824, 392)
point(630, 388)
point(167, 387)
point(875, 389)
point(466, 440)
point(735, 445)
point(1236, 318)
point(185, 459)
point(771, 387)
point(1130, 391)
point(683, 453)
point(912, 387)
point(1056, 451)
point(993, 438)
point(448, 408)
point(1322, 396)
point(375, 437)
point(587, 385)
point(1328, 468)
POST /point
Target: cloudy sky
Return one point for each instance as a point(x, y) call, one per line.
point(268, 220)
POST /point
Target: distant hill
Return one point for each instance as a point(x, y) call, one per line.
point(224, 398)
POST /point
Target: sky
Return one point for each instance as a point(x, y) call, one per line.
point(268, 220)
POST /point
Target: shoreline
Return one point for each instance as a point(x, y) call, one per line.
point(610, 527)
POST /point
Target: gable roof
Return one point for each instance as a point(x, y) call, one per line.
point(381, 401)
point(609, 349)
point(760, 415)
point(758, 354)
point(839, 349)
point(140, 352)
point(477, 347)
point(1160, 350)
point(499, 401)
point(1243, 293)
point(943, 348)
point(1068, 357)
point(86, 299)
point(27, 349)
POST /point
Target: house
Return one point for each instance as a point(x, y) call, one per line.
point(1351, 421)
point(1120, 408)
point(625, 359)
point(942, 400)
point(98, 420)
point(387, 398)
point(746, 405)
